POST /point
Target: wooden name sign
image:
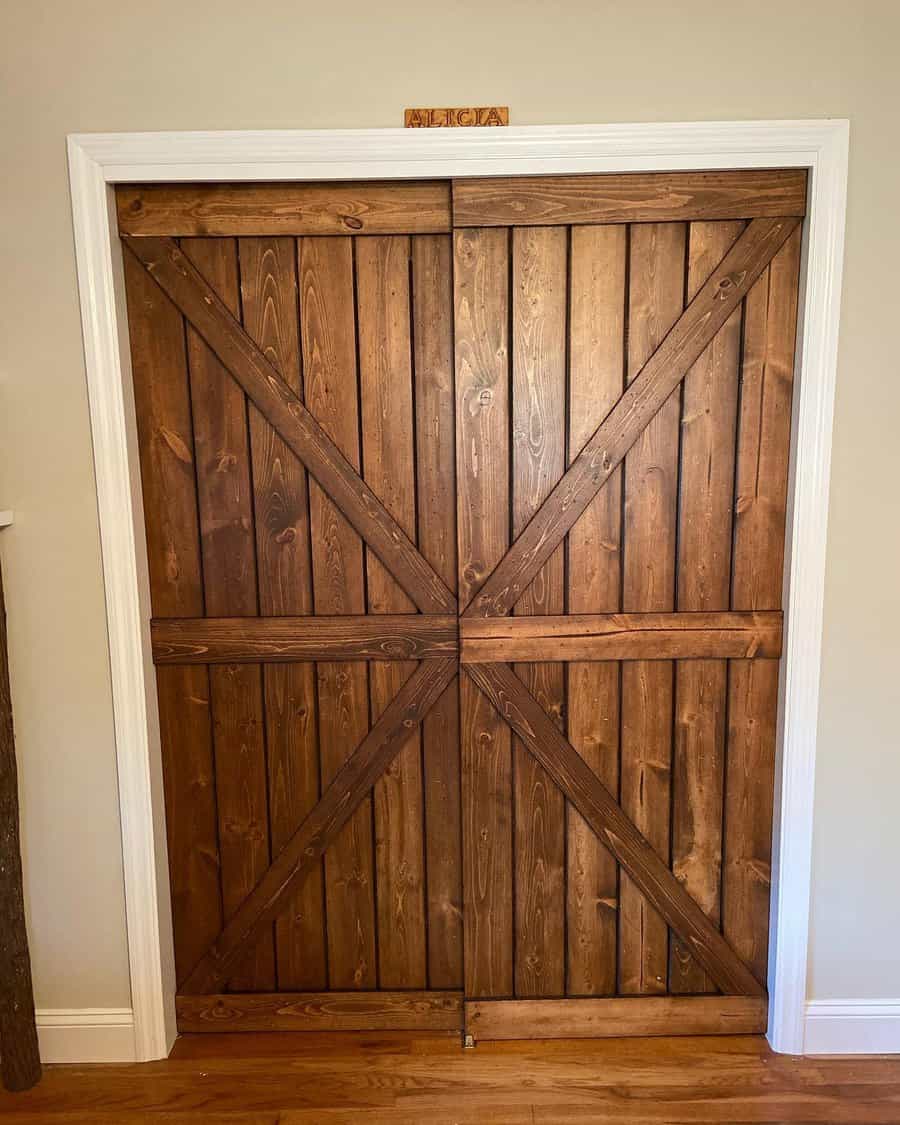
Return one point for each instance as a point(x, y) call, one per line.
point(435, 118)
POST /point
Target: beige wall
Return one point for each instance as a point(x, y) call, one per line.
point(195, 64)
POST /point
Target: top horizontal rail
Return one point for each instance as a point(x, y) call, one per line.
point(364, 207)
point(633, 197)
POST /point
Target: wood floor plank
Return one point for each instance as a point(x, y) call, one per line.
point(481, 320)
point(407, 1078)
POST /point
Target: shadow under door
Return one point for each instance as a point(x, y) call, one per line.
point(465, 512)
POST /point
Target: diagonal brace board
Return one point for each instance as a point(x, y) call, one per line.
point(335, 807)
point(189, 291)
point(582, 787)
point(726, 287)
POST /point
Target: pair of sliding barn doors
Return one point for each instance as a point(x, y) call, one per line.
point(465, 509)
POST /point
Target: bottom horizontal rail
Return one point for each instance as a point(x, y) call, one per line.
point(321, 1011)
point(617, 1016)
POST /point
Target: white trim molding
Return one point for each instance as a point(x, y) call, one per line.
point(852, 1027)
point(97, 161)
point(85, 1035)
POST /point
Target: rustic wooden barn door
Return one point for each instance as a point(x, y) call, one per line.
point(294, 402)
point(566, 402)
point(624, 350)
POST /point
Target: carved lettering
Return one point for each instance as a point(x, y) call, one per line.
point(467, 116)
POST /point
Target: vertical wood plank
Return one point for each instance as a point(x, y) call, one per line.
point(271, 318)
point(709, 406)
point(539, 441)
point(221, 440)
point(770, 327)
point(166, 447)
point(385, 374)
point(481, 314)
point(596, 380)
point(432, 329)
point(656, 297)
point(328, 339)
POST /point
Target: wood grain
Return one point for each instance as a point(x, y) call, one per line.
point(407, 1078)
point(328, 335)
point(166, 447)
point(597, 271)
point(192, 832)
point(621, 636)
point(770, 327)
point(646, 394)
point(225, 502)
point(636, 197)
point(388, 428)
point(581, 786)
point(613, 1017)
point(481, 321)
point(408, 1010)
point(538, 461)
point(211, 319)
point(177, 210)
point(655, 303)
point(339, 798)
point(432, 332)
point(709, 407)
point(232, 640)
point(270, 312)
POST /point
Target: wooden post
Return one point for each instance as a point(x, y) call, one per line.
point(20, 1061)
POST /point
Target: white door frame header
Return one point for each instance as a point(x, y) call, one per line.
point(97, 161)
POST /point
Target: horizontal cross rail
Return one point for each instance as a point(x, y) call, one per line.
point(236, 640)
point(621, 636)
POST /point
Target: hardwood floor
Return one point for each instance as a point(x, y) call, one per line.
point(406, 1079)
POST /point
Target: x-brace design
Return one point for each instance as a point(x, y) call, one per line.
point(698, 324)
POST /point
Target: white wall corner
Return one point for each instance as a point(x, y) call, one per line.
point(852, 1027)
point(86, 1035)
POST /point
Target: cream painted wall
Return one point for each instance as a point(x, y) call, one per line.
point(195, 64)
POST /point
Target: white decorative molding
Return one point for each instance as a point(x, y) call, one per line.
point(86, 1035)
point(6, 519)
point(98, 160)
point(852, 1027)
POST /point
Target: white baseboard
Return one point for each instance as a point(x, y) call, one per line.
point(833, 1027)
point(852, 1027)
point(82, 1035)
